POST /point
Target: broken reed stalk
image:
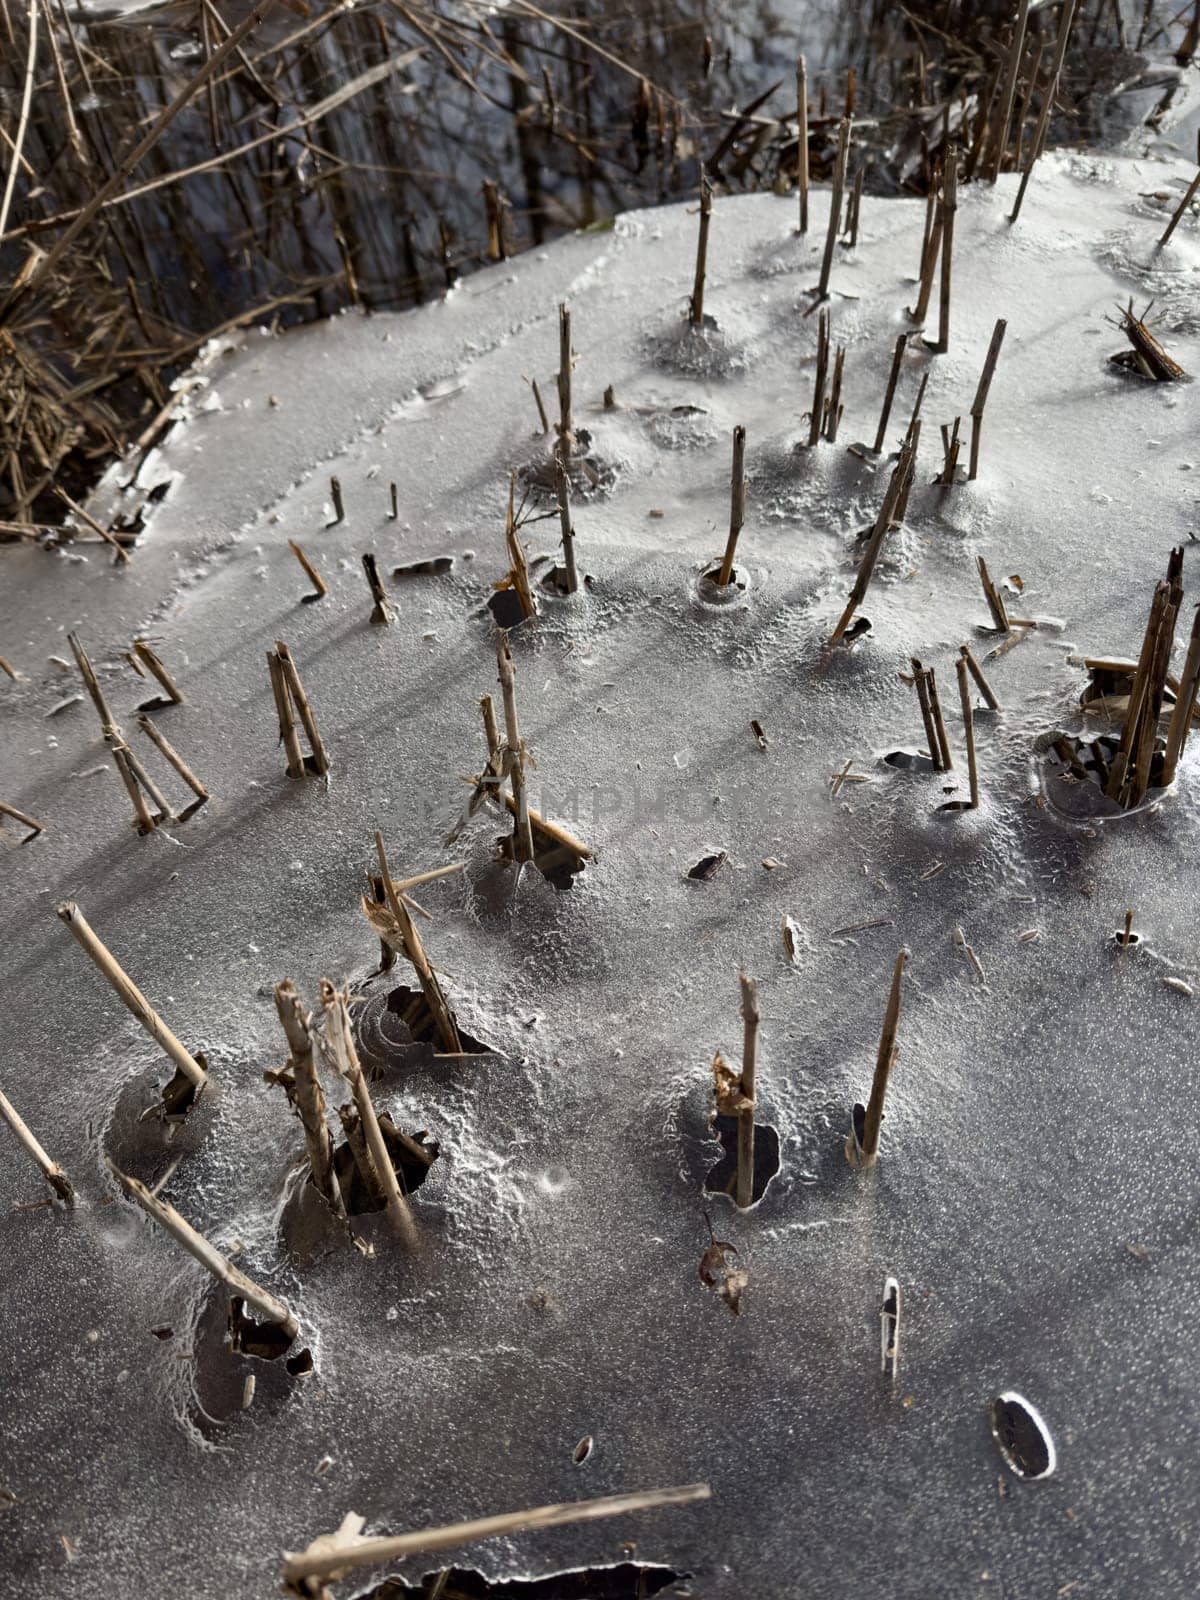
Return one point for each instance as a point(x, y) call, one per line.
point(968, 716)
point(565, 442)
point(737, 506)
point(981, 682)
point(414, 951)
point(1049, 96)
point(802, 133)
point(172, 756)
point(833, 411)
point(950, 448)
point(914, 440)
point(157, 668)
point(491, 730)
point(945, 759)
point(854, 206)
point(543, 419)
point(494, 207)
point(1012, 70)
point(696, 303)
point(568, 532)
point(310, 572)
point(403, 885)
point(91, 522)
point(817, 415)
point(47, 265)
point(295, 690)
point(24, 819)
point(890, 392)
point(1129, 775)
point(929, 261)
point(985, 384)
point(835, 206)
point(209, 1257)
point(949, 210)
point(307, 1095)
point(882, 523)
point(130, 994)
point(514, 753)
point(341, 1042)
point(518, 566)
point(51, 1171)
point(145, 821)
point(332, 1556)
point(339, 507)
point(921, 683)
point(1127, 931)
point(1185, 704)
point(288, 737)
point(995, 600)
point(382, 614)
point(745, 1143)
point(885, 1060)
point(91, 683)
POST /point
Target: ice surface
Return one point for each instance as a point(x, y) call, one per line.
point(1036, 1189)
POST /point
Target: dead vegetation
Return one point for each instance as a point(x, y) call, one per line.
point(483, 134)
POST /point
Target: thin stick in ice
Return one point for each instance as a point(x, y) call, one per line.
point(882, 523)
point(402, 934)
point(565, 430)
point(737, 506)
point(995, 600)
point(35, 827)
point(802, 132)
point(290, 701)
point(562, 486)
point(981, 393)
point(172, 757)
point(146, 656)
point(514, 753)
point(861, 1151)
point(890, 392)
point(332, 1556)
point(128, 768)
point(745, 1144)
point(341, 1043)
point(339, 508)
point(130, 994)
point(968, 715)
point(835, 206)
point(382, 614)
point(320, 587)
point(1185, 705)
point(981, 682)
point(306, 1093)
point(108, 723)
point(210, 1258)
point(50, 1170)
point(696, 303)
point(817, 415)
point(948, 212)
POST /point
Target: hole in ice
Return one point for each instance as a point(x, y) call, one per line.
point(266, 1340)
point(149, 1126)
point(434, 567)
point(1021, 1436)
point(722, 1178)
point(553, 856)
point(411, 1155)
point(708, 866)
point(583, 1449)
point(629, 1580)
point(1125, 941)
point(388, 1026)
point(909, 761)
point(590, 476)
point(858, 629)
